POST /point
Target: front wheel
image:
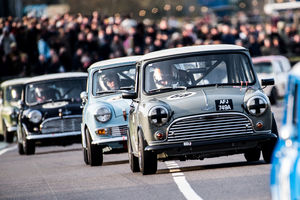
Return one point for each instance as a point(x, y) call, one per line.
point(8, 136)
point(133, 161)
point(268, 147)
point(94, 152)
point(147, 159)
point(20, 148)
point(252, 155)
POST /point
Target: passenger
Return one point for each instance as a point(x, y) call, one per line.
point(109, 81)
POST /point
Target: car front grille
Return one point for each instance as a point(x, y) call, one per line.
point(118, 130)
point(209, 126)
point(61, 125)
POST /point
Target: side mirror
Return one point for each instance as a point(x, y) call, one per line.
point(266, 82)
point(129, 95)
point(20, 104)
point(84, 97)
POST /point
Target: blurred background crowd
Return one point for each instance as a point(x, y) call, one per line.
point(34, 45)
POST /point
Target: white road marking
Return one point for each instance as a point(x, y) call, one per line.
point(181, 182)
point(3, 151)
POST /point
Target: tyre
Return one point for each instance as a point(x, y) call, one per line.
point(273, 96)
point(133, 161)
point(28, 145)
point(147, 159)
point(8, 136)
point(94, 152)
point(85, 156)
point(268, 147)
point(20, 149)
point(252, 155)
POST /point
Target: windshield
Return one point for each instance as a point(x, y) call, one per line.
point(198, 71)
point(113, 79)
point(55, 90)
point(13, 93)
point(264, 67)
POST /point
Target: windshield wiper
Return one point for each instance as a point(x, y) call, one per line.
point(108, 91)
point(181, 87)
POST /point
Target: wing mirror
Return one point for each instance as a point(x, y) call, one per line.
point(266, 82)
point(84, 97)
point(129, 95)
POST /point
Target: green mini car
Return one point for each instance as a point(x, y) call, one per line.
point(198, 102)
point(10, 94)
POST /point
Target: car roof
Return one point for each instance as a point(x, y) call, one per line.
point(115, 62)
point(15, 81)
point(267, 58)
point(191, 49)
point(296, 70)
point(56, 76)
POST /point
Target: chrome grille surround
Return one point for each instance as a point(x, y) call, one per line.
point(209, 126)
point(58, 125)
point(117, 130)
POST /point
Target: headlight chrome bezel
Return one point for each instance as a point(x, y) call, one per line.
point(34, 116)
point(103, 114)
point(257, 105)
point(158, 115)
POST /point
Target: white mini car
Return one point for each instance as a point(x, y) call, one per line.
point(276, 67)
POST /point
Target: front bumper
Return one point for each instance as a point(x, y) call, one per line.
point(106, 141)
point(211, 148)
point(31, 136)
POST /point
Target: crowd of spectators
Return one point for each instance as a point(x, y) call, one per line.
point(33, 46)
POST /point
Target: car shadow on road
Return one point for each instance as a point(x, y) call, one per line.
point(58, 151)
point(211, 166)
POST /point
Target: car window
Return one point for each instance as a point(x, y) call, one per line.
point(13, 93)
point(113, 79)
point(263, 67)
point(197, 71)
point(59, 89)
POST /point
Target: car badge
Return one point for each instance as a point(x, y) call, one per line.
point(181, 95)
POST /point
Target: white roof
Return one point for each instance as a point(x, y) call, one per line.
point(57, 76)
point(15, 81)
point(191, 49)
point(116, 62)
point(296, 69)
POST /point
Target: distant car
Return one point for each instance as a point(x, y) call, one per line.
point(50, 111)
point(285, 171)
point(105, 113)
point(10, 94)
point(198, 102)
point(276, 67)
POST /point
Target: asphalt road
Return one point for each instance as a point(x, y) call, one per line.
point(60, 173)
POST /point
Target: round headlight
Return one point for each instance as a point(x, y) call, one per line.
point(35, 116)
point(158, 115)
point(257, 105)
point(103, 114)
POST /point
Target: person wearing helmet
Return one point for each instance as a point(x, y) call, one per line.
point(109, 81)
point(166, 76)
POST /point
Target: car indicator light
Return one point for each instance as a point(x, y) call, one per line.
point(259, 125)
point(101, 131)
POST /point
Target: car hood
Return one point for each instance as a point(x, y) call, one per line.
point(117, 103)
point(59, 108)
point(197, 101)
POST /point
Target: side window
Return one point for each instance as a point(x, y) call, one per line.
point(295, 107)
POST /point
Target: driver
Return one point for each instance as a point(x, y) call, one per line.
point(109, 81)
point(40, 94)
point(166, 76)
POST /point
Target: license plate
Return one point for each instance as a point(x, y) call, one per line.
point(224, 104)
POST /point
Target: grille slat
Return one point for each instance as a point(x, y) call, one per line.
point(61, 125)
point(209, 126)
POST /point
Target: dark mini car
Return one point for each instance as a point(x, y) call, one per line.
point(198, 102)
point(50, 111)
point(10, 94)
